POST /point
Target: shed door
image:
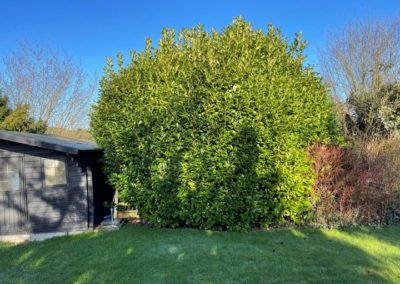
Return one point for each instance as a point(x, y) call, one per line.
point(12, 197)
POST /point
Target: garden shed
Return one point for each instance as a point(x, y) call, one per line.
point(49, 185)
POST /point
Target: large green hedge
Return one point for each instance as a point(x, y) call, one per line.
point(211, 129)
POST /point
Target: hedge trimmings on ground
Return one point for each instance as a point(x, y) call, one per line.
point(211, 130)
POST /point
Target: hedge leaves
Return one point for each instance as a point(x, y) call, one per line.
point(211, 130)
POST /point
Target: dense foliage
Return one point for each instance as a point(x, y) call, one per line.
point(358, 184)
point(211, 129)
point(376, 114)
point(18, 119)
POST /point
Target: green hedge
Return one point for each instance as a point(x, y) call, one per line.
point(211, 130)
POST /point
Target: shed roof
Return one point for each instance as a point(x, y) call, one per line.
point(66, 145)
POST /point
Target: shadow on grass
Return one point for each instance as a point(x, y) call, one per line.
point(140, 254)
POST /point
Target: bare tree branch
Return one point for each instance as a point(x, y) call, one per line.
point(56, 89)
point(359, 61)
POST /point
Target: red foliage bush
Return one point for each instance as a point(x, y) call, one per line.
point(358, 184)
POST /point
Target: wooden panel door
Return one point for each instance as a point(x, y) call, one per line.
point(13, 215)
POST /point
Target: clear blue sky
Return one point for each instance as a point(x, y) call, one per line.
point(90, 30)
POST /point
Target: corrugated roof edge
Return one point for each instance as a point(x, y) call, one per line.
point(61, 144)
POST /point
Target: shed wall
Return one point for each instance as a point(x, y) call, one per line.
point(54, 209)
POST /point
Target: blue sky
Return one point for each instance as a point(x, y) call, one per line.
point(90, 30)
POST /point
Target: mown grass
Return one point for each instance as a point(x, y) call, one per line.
point(147, 255)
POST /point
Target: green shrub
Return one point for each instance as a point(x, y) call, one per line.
point(211, 130)
point(18, 119)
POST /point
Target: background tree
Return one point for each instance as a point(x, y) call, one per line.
point(55, 90)
point(358, 64)
point(18, 119)
point(4, 107)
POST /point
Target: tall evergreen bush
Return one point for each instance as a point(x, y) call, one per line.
point(211, 129)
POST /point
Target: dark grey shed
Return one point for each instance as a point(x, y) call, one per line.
point(50, 184)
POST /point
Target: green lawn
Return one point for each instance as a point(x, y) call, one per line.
point(145, 255)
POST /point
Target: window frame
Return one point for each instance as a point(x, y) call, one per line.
point(55, 186)
point(20, 174)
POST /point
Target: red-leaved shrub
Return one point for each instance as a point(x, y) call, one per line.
point(358, 184)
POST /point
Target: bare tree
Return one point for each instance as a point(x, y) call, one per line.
point(362, 57)
point(358, 62)
point(56, 89)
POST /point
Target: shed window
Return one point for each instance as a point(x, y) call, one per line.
point(54, 172)
point(9, 174)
